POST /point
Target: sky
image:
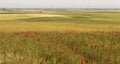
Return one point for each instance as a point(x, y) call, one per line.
point(59, 3)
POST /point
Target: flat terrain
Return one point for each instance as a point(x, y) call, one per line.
point(60, 21)
point(60, 48)
point(59, 36)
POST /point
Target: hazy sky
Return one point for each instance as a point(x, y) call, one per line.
point(59, 3)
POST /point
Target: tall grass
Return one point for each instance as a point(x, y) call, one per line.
point(60, 48)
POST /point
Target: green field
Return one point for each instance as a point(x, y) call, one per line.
point(59, 36)
point(61, 21)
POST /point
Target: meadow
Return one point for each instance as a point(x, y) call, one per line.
point(60, 21)
point(59, 37)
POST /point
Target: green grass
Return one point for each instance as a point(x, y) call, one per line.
point(80, 17)
point(60, 48)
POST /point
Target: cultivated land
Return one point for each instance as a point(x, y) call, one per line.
point(59, 37)
point(60, 21)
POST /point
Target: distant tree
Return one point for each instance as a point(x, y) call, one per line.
point(3, 9)
point(40, 11)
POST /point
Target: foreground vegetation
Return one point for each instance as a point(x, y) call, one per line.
point(60, 48)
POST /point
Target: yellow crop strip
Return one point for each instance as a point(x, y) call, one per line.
point(11, 22)
point(55, 26)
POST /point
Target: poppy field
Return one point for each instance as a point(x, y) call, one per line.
point(68, 47)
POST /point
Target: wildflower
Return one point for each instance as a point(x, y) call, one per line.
point(82, 61)
point(28, 35)
point(36, 33)
point(114, 51)
point(116, 34)
point(93, 58)
point(86, 61)
point(59, 35)
point(57, 43)
point(110, 61)
point(46, 59)
point(85, 44)
point(82, 55)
